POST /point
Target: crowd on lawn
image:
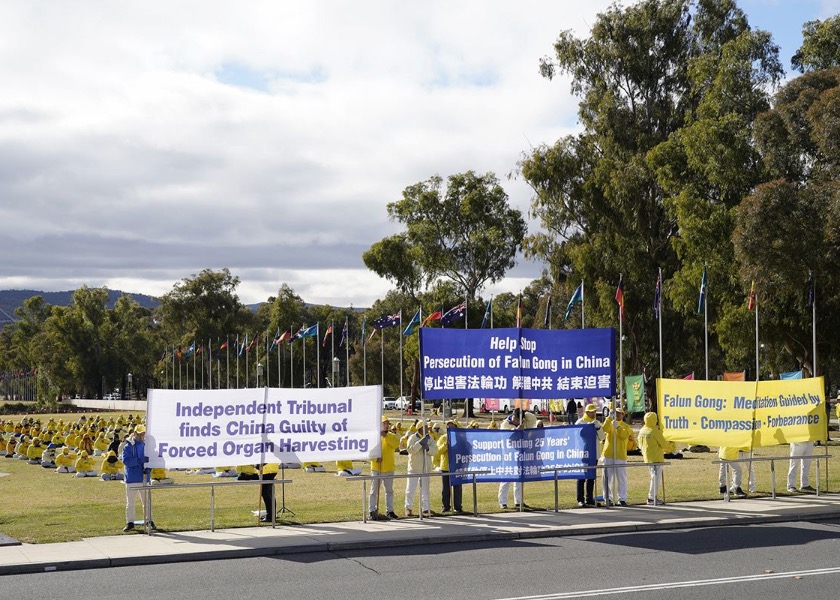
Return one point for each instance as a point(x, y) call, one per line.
point(93, 447)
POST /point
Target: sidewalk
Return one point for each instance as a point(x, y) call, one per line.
point(162, 547)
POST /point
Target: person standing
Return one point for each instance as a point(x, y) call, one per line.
point(617, 432)
point(518, 419)
point(571, 411)
point(381, 469)
point(799, 465)
point(420, 455)
point(653, 445)
point(134, 458)
point(450, 496)
point(590, 417)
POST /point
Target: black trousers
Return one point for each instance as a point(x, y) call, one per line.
point(590, 490)
point(267, 493)
point(456, 492)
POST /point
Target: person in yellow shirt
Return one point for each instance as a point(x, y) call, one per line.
point(345, 468)
point(653, 451)
point(617, 432)
point(35, 452)
point(65, 461)
point(84, 465)
point(380, 468)
point(111, 468)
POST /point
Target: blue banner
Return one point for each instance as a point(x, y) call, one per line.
point(517, 363)
point(520, 454)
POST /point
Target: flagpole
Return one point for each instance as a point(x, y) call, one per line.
point(620, 350)
point(227, 361)
point(210, 361)
point(582, 305)
point(280, 352)
point(237, 361)
point(382, 359)
point(706, 320)
point(757, 366)
point(347, 350)
point(813, 291)
point(364, 352)
point(659, 314)
point(466, 314)
point(401, 355)
point(318, 353)
point(195, 379)
point(292, 361)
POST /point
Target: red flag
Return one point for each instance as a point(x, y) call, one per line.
point(435, 316)
point(619, 297)
point(519, 312)
point(224, 345)
point(752, 301)
point(690, 376)
point(328, 332)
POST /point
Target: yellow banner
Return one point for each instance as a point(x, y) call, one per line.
point(742, 414)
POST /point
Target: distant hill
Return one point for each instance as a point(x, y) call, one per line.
point(13, 299)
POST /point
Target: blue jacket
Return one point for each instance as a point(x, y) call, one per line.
point(134, 457)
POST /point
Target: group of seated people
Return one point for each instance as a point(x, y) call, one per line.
point(87, 447)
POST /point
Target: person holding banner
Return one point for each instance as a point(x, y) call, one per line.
point(617, 432)
point(449, 495)
point(420, 454)
point(384, 466)
point(590, 417)
point(726, 454)
point(518, 419)
point(798, 450)
point(134, 458)
point(653, 445)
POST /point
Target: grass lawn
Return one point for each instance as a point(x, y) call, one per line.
point(38, 505)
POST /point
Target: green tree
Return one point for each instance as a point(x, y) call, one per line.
point(668, 92)
point(820, 46)
point(466, 233)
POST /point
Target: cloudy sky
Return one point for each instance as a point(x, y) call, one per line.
point(141, 142)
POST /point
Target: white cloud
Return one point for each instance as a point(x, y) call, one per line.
point(142, 142)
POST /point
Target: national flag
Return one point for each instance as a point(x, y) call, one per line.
point(435, 316)
point(454, 314)
point(364, 326)
point(242, 346)
point(386, 321)
point(326, 333)
point(703, 283)
point(253, 343)
point(305, 332)
point(657, 296)
point(689, 377)
point(286, 335)
point(412, 325)
point(751, 301)
point(191, 350)
point(485, 322)
point(519, 312)
point(812, 290)
point(344, 335)
point(576, 298)
point(224, 345)
point(179, 355)
point(547, 318)
point(619, 297)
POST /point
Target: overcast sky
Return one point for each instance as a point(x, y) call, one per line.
point(141, 142)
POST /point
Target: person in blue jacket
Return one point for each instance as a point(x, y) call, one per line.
point(134, 458)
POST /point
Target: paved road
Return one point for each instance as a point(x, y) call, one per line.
point(793, 560)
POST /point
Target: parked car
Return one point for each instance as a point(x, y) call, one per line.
point(389, 403)
point(403, 402)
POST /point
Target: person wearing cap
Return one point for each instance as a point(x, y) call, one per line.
point(383, 466)
point(617, 432)
point(653, 445)
point(590, 417)
point(518, 419)
point(420, 455)
point(134, 458)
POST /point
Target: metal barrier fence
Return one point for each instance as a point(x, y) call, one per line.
point(727, 466)
point(606, 469)
point(146, 489)
point(365, 478)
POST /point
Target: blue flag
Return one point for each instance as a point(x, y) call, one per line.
point(485, 322)
point(575, 299)
point(702, 299)
point(415, 321)
point(454, 314)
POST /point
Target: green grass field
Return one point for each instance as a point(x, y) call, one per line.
point(38, 505)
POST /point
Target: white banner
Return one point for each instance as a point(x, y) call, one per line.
point(212, 428)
